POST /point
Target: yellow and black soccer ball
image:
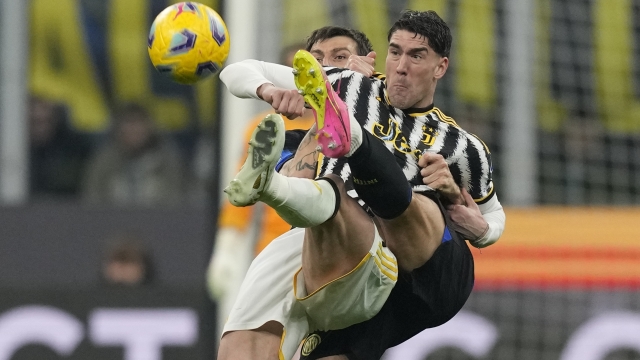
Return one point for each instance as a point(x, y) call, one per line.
point(188, 41)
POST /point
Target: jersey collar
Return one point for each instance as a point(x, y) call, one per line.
point(413, 112)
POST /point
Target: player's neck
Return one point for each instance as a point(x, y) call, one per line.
point(418, 110)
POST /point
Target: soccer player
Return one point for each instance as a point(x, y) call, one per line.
point(230, 257)
point(346, 48)
point(343, 48)
point(338, 286)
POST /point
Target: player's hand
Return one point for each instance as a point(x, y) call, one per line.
point(362, 64)
point(467, 219)
point(286, 102)
point(435, 173)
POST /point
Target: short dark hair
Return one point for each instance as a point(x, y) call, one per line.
point(362, 41)
point(427, 24)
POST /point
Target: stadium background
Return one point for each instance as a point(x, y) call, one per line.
point(552, 86)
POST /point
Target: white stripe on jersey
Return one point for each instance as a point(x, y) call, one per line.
point(484, 163)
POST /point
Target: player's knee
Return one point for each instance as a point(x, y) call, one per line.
point(337, 183)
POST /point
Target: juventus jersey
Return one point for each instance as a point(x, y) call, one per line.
point(408, 134)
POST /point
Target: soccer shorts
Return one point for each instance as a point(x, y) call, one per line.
point(273, 290)
point(424, 298)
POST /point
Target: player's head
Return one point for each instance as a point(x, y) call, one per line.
point(332, 45)
point(418, 56)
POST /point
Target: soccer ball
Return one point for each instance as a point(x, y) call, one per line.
point(188, 41)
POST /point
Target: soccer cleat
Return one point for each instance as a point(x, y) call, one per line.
point(265, 147)
point(332, 116)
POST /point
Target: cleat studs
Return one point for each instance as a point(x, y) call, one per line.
point(312, 71)
point(319, 90)
point(300, 91)
point(319, 148)
point(332, 145)
point(295, 72)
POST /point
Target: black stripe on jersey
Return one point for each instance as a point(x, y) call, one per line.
point(451, 140)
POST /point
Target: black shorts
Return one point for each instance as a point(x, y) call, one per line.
point(424, 298)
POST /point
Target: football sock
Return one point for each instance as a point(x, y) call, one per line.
point(356, 135)
point(378, 179)
point(301, 202)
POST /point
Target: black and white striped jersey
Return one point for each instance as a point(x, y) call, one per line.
point(408, 134)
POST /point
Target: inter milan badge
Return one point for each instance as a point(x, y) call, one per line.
point(310, 343)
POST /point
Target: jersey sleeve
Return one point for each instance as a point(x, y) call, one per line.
point(479, 180)
point(245, 77)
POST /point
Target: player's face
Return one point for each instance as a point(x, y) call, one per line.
point(413, 69)
point(334, 51)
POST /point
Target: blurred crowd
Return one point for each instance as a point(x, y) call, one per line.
point(133, 164)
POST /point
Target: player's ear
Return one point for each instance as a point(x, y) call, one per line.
point(441, 68)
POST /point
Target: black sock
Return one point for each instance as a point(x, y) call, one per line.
point(378, 179)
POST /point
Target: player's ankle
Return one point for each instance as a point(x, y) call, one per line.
point(276, 190)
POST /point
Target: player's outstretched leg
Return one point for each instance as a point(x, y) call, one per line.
point(265, 147)
point(290, 197)
point(337, 131)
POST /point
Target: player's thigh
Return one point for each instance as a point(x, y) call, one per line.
point(416, 234)
point(262, 343)
point(336, 247)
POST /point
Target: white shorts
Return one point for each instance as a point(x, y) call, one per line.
point(273, 290)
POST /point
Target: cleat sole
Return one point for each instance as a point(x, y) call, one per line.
point(265, 147)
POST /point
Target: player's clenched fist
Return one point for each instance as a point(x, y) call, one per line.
point(286, 102)
point(436, 174)
point(362, 64)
